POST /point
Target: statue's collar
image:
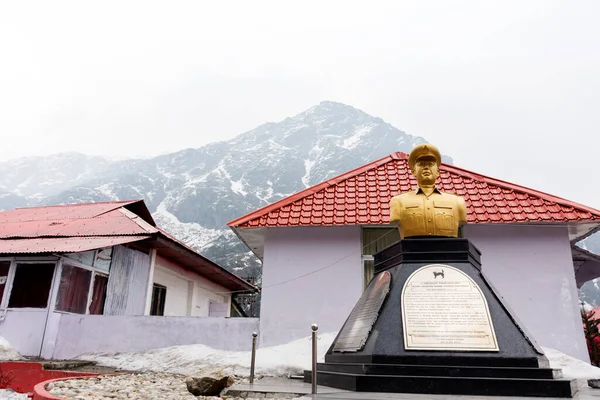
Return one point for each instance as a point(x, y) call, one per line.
point(435, 190)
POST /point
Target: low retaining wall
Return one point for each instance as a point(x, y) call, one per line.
point(80, 334)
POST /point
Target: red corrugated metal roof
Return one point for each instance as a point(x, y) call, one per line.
point(113, 222)
point(81, 227)
point(361, 197)
point(63, 245)
point(62, 212)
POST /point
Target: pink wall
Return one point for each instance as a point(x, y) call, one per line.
point(532, 268)
point(325, 297)
point(81, 334)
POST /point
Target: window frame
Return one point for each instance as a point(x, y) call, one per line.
point(11, 279)
point(365, 256)
point(72, 261)
point(164, 300)
point(91, 292)
point(64, 258)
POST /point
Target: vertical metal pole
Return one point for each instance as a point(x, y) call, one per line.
point(314, 358)
point(253, 359)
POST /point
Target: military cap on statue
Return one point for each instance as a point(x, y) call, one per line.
point(424, 151)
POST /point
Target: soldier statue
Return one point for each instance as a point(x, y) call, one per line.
point(427, 212)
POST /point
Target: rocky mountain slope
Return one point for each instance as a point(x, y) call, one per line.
point(193, 193)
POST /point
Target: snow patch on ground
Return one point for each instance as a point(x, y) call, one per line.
point(8, 394)
point(7, 352)
point(572, 368)
point(276, 361)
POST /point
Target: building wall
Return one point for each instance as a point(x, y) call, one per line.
point(188, 294)
point(325, 297)
point(127, 282)
point(532, 268)
point(80, 334)
point(176, 301)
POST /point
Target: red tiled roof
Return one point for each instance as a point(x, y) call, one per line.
point(361, 197)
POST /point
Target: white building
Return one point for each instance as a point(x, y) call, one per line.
point(316, 247)
point(88, 270)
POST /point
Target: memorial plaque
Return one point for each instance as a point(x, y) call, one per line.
point(356, 330)
point(444, 309)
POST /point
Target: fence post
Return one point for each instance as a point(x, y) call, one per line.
point(314, 328)
point(253, 359)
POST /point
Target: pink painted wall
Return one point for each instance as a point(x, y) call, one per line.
point(81, 334)
point(325, 297)
point(532, 268)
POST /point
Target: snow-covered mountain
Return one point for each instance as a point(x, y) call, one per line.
point(193, 193)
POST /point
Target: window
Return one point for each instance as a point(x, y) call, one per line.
point(98, 294)
point(98, 259)
point(159, 294)
point(4, 267)
point(74, 289)
point(86, 257)
point(103, 258)
point(377, 239)
point(373, 241)
point(84, 282)
point(31, 286)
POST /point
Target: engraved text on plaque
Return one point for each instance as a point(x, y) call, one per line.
point(444, 309)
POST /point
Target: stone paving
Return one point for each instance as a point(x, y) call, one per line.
point(282, 385)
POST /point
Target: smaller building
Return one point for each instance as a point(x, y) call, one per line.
point(99, 259)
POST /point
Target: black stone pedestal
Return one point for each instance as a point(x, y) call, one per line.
point(371, 354)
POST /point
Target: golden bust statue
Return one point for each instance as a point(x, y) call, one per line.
point(426, 211)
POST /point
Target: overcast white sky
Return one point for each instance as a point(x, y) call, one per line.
point(509, 89)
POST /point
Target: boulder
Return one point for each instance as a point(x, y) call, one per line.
point(207, 386)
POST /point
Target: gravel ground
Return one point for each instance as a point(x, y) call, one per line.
point(7, 394)
point(151, 385)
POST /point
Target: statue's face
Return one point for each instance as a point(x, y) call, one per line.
point(426, 171)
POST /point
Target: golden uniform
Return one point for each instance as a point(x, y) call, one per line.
point(440, 214)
